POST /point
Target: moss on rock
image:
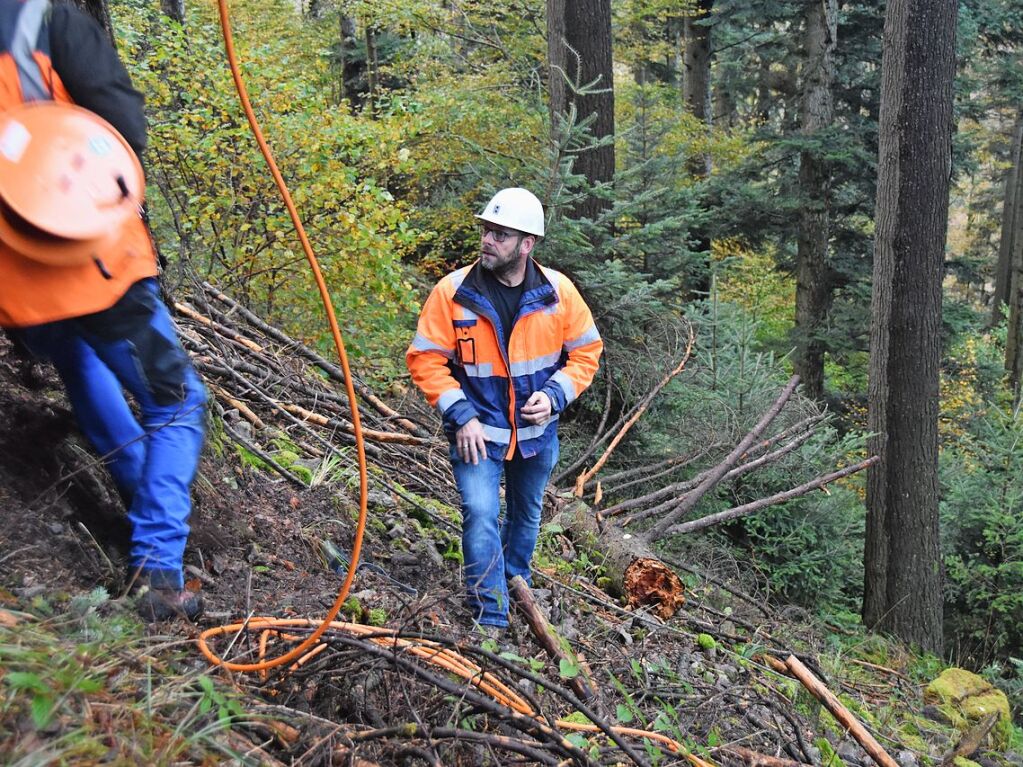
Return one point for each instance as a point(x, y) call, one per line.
point(967, 698)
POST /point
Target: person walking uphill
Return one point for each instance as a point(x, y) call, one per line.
point(77, 276)
point(502, 347)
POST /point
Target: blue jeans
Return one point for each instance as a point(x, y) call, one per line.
point(133, 345)
point(494, 549)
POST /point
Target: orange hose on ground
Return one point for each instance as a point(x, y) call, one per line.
point(308, 648)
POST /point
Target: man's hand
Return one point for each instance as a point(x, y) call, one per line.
point(537, 409)
point(470, 442)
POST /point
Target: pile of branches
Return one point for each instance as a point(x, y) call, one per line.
point(265, 385)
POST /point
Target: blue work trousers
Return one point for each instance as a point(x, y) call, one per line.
point(133, 346)
point(495, 549)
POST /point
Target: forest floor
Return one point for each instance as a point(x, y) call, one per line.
point(82, 681)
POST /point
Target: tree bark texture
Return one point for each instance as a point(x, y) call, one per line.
point(696, 96)
point(902, 584)
point(1010, 258)
point(100, 12)
point(696, 74)
point(1011, 209)
point(174, 9)
point(557, 64)
point(583, 52)
point(1014, 337)
point(813, 284)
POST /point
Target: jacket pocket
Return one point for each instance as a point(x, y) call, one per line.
point(465, 343)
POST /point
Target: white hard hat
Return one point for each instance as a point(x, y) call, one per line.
point(515, 208)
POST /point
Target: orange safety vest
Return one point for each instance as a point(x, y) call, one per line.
point(33, 293)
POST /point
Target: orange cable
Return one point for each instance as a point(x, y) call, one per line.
point(311, 640)
point(422, 648)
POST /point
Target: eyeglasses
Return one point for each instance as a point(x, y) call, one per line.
point(499, 235)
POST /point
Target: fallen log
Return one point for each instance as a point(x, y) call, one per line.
point(373, 434)
point(633, 568)
point(714, 476)
point(553, 643)
point(755, 506)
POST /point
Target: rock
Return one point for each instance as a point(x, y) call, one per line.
point(852, 754)
point(906, 758)
point(430, 553)
point(381, 500)
point(935, 714)
point(244, 430)
point(1013, 758)
point(967, 698)
point(728, 670)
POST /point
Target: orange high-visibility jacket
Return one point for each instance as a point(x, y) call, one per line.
point(32, 293)
point(460, 364)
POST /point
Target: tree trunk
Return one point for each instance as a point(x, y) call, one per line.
point(557, 65)
point(175, 9)
point(371, 69)
point(1011, 213)
point(1014, 336)
point(349, 69)
point(696, 95)
point(583, 51)
point(813, 285)
point(99, 11)
point(696, 75)
point(902, 583)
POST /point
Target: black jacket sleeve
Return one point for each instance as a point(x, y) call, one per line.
point(93, 74)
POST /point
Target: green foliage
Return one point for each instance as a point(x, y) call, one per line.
point(214, 202)
point(810, 548)
point(88, 657)
point(982, 514)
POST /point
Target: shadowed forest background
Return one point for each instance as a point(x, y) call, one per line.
point(711, 165)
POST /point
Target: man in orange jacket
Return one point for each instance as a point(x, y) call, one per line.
point(96, 313)
point(502, 347)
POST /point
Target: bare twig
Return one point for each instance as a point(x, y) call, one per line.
point(637, 412)
point(755, 506)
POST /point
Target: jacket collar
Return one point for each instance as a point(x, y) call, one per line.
point(535, 285)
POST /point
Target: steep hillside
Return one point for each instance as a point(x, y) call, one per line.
point(275, 508)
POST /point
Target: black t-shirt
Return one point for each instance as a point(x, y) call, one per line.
point(505, 301)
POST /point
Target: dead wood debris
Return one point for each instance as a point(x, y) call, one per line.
point(358, 703)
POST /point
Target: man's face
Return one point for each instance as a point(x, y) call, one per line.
point(500, 247)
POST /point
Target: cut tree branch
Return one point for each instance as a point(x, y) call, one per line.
point(721, 469)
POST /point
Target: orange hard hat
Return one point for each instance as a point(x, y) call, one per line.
point(69, 182)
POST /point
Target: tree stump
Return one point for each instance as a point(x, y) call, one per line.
point(635, 571)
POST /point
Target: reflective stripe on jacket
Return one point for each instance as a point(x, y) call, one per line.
point(32, 293)
point(459, 362)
